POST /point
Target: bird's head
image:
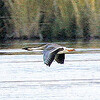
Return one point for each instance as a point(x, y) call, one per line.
point(66, 50)
point(70, 49)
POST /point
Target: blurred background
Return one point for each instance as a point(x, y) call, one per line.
point(49, 20)
point(71, 23)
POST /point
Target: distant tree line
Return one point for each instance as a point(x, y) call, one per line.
point(3, 11)
point(49, 19)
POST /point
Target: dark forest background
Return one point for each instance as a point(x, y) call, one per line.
point(49, 20)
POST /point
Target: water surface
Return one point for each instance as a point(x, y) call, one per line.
point(24, 76)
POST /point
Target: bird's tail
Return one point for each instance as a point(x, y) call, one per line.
point(35, 48)
point(28, 48)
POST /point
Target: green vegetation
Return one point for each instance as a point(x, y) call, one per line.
point(3, 22)
point(51, 19)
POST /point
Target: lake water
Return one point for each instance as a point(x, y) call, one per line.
point(24, 76)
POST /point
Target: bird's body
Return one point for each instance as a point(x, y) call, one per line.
point(52, 52)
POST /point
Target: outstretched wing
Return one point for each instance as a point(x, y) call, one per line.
point(59, 58)
point(49, 53)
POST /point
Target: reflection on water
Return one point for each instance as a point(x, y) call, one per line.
point(24, 76)
point(75, 44)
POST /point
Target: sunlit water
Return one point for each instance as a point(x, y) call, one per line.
point(24, 76)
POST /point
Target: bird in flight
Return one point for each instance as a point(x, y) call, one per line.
point(52, 52)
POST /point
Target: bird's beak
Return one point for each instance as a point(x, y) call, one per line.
point(69, 50)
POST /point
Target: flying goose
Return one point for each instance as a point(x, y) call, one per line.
point(52, 52)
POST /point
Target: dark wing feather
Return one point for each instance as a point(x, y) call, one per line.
point(49, 53)
point(60, 58)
